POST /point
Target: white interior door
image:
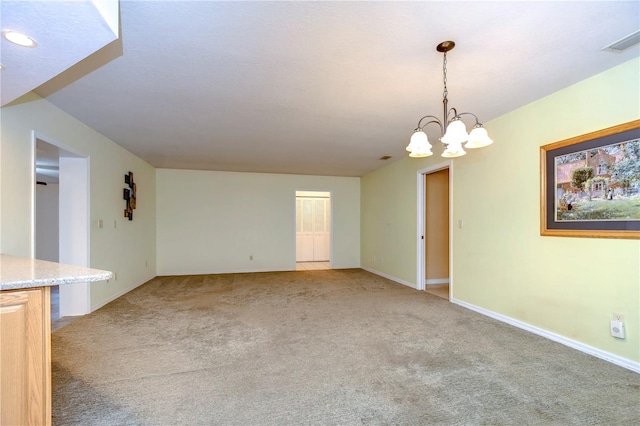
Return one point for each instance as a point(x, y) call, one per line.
point(304, 230)
point(313, 229)
point(321, 227)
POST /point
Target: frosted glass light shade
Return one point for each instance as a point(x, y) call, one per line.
point(478, 138)
point(419, 145)
point(417, 153)
point(454, 149)
point(456, 133)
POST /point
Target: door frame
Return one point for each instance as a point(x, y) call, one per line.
point(421, 240)
point(74, 298)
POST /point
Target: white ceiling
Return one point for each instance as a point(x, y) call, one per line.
point(326, 87)
point(65, 33)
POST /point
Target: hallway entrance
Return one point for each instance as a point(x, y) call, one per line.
point(61, 218)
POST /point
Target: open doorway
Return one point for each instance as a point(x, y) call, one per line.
point(434, 210)
point(47, 231)
point(61, 219)
point(313, 230)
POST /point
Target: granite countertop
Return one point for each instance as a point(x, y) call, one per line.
point(22, 272)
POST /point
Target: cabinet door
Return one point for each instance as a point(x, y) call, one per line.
point(25, 349)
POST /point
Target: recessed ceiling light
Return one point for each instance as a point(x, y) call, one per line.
point(19, 38)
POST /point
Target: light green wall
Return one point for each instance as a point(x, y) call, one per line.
point(566, 286)
point(389, 219)
point(212, 222)
point(123, 249)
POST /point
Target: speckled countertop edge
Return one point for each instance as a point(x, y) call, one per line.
point(21, 272)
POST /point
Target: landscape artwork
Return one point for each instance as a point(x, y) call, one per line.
point(599, 184)
point(590, 184)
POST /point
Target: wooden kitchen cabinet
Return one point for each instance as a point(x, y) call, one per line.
point(25, 334)
point(25, 357)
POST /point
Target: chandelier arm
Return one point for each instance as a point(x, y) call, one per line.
point(474, 116)
point(428, 116)
point(448, 114)
point(437, 121)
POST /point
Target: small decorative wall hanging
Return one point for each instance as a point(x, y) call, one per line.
point(129, 195)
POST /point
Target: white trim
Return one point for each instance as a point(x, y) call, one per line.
point(51, 141)
point(389, 277)
point(226, 271)
point(451, 259)
point(420, 261)
point(590, 350)
point(122, 293)
point(436, 281)
point(34, 180)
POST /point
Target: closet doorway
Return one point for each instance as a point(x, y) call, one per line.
point(434, 223)
point(313, 230)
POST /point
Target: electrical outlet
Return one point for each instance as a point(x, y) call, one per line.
point(100, 223)
point(617, 329)
point(618, 317)
point(381, 260)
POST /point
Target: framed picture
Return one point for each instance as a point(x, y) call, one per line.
point(590, 184)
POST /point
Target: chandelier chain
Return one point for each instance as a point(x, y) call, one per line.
point(444, 74)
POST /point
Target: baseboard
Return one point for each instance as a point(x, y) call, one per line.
point(123, 292)
point(223, 271)
point(389, 277)
point(436, 281)
point(590, 350)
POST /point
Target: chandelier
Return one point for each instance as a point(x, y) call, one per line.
point(452, 130)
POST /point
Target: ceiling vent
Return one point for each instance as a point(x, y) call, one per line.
point(624, 43)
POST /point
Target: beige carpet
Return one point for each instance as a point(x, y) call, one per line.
point(320, 348)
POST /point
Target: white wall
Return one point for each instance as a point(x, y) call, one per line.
point(129, 249)
point(47, 222)
point(75, 299)
point(212, 222)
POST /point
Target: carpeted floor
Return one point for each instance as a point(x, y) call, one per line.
point(320, 348)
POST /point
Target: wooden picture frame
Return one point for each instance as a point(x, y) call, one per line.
point(590, 184)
